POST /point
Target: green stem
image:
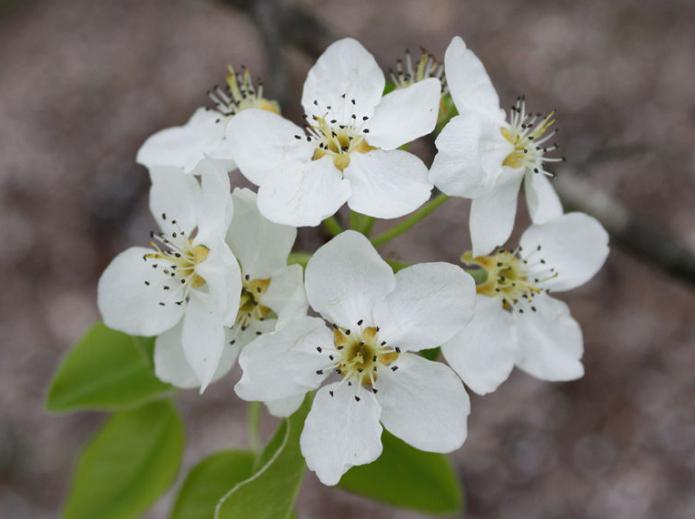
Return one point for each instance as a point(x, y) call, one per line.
point(332, 226)
point(253, 417)
point(397, 265)
point(298, 258)
point(409, 222)
point(361, 223)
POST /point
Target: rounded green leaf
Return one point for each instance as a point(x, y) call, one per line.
point(408, 478)
point(131, 461)
point(270, 493)
point(106, 370)
point(209, 480)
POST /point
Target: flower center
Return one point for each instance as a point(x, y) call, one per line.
point(240, 93)
point(337, 140)
point(406, 73)
point(250, 307)
point(176, 258)
point(527, 132)
point(358, 356)
point(513, 278)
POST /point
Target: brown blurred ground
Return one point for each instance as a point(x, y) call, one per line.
point(83, 83)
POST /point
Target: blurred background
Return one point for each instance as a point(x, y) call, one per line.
point(83, 83)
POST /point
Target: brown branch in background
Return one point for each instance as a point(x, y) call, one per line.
point(296, 26)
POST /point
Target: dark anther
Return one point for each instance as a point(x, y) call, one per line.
point(357, 399)
point(319, 372)
point(319, 349)
point(394, 368)
point(359, 323)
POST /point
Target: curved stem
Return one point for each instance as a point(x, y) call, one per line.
point(332, 226)
point(253, 417)
point(299, 258)
point(409, 222)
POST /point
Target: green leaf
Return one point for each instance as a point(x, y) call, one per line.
point(107, 371)
point(271, 492)
point(431, 353)
point(131, 461)
point(209, 481)
point(408, 478)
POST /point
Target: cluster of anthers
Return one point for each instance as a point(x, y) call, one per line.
point(358, 356)
point(513, 277)
point(175, 257)
point(250, 307)
point(337, 138)
point(528, 132)
point(240, 93)
point(406, 73)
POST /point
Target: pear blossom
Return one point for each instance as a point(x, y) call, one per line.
point(348, 151)
point(271, 291)
point(516, 321)
point(379, 320)
point(188, 279)
point(203, 136)
point(484, 157)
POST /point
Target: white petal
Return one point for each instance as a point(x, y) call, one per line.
point(432, 302)
point(387, 184)
point(184, 146)
point(215, 205)
point(341, 432)
point(346, 278)
point(260, 245)
point(174, 199)
point(471, 152)
point(285, 363)
point(345, 71)
point(468, 82)
point(304, 194)
point(222, 276)
point(405, 114)
point(492, 215)
point(550, 342)
point(483, 353)
point(263, 143)
point(203, 337)
point(541, 199)
point(424, 403)
point(170, 362)
point(127, 304)
point(238, 337)
point(286, 295)
point(285, 406)
point(575, 245)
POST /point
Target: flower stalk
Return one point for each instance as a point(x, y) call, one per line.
point(409, 222)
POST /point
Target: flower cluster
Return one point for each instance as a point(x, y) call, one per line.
point(214, 283)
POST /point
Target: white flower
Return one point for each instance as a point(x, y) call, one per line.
point(484, 157)
point(189, 277)
point(203, 136)
point(379, 319)
point(271, 292)
point(349, 152)
point(516, 321)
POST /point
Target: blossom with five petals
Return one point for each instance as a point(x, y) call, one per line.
point(516, 322)
point(203, 136)
point(348, 151)
point(379, 321)
point(189, 275)
point(484, 157)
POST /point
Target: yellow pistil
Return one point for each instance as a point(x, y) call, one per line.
point(250, 307)
point(506, 277)
point(337, 142)
point(183, 263)
point(525, 149)
point(362, 354)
